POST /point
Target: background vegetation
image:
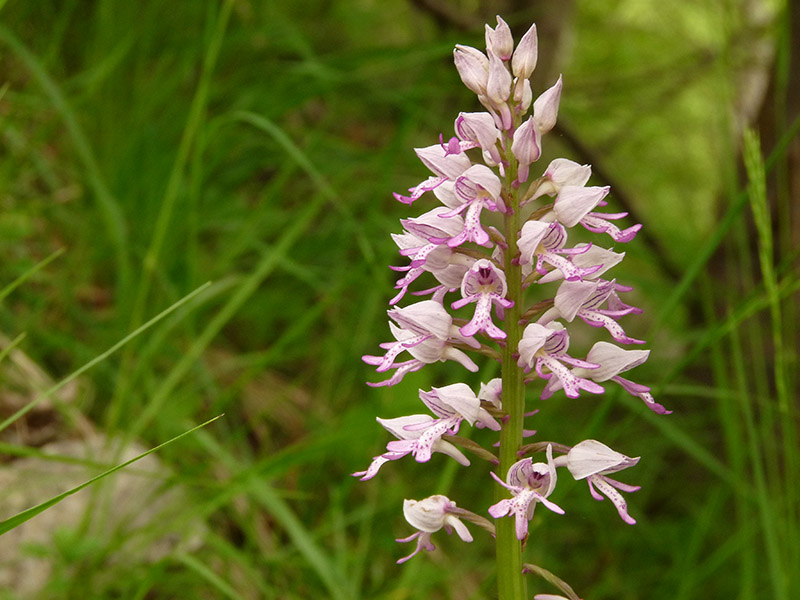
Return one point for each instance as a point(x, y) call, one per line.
point(255, 145)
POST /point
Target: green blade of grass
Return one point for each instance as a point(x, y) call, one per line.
point(29, 452)
point(754, 303)
point(18, 519)
point(268, 263)
point(75, 374)
point(263, 124)
point(692, 553)
point(171, 194)
point(146, 351)
point(107, 203)
point(262, 492)
point(757, 193)
point(29, 273)
point(713, 242)
point(190, 132)
point(249, 564)
point(11, 345)
point(684, 440)
point(766, 509)
point(198, 567)
point(301, 537)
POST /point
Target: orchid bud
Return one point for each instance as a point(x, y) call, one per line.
point(527, 147)
point(545, 109)
point(499, 40)
point(473, 67)
point(498, 86)
point(525, 56)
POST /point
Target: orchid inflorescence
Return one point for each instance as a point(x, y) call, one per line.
point(497, 232)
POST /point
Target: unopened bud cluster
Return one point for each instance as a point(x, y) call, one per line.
point(461, 247)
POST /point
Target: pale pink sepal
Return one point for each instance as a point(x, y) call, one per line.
point(499, 40)
point(573, 203)
point(526, 55)
point(473, 68)
point(526, 147)
point(445, 165)
point(613, 360)
point(545, 107)
point(498, 86)
point(591, 457)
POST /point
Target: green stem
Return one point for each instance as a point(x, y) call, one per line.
point(511, 583)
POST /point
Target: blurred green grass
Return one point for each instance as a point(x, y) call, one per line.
point(256, 145)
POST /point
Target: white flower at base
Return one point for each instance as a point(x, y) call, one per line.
point(429, 516)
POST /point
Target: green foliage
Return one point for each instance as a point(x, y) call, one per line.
point(149, 148)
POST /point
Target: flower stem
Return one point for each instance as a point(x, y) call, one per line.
point(511, 583)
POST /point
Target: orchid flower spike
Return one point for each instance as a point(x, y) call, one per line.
point(429, 516)
point(487, 165)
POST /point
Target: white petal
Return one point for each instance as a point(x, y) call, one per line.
point(428, 514)
point(591, 457)
point(613, 360)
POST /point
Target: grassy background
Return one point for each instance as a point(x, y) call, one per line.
point(255, 145)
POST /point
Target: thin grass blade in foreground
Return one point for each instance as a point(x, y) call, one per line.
point(20, 518)
point(75, 374)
